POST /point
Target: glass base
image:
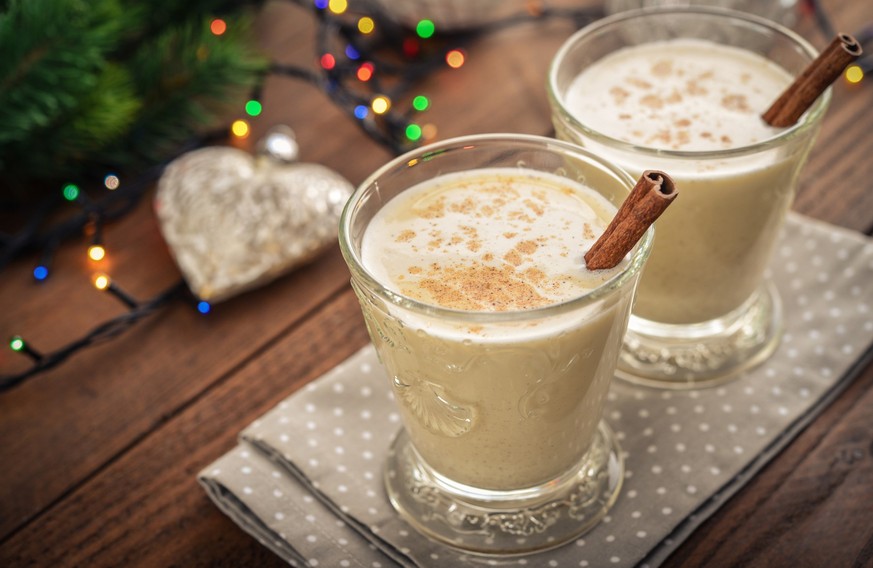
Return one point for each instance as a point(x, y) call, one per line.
point(702, 355)
point(505, 522)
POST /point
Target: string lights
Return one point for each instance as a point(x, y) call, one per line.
point(365, 63)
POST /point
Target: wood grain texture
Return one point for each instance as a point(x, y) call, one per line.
point(100, 454)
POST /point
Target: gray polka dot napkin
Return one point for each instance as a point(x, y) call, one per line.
point(305, 479)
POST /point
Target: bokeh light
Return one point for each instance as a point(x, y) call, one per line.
point(366, 25)
point(254, 108)
point(380, 104)
point(338, 6)
point(455, 58)
point(96, 252)
point(425, 29)
point(218, 26)
point(854, 74)
point(240, 128)
point(420, 103)
point(111, 182)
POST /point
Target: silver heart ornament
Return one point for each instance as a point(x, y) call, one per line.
point(234, 222)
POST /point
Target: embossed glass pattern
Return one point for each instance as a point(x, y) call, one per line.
point(502, 449)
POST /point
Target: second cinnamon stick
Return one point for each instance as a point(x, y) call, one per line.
point(813, 81)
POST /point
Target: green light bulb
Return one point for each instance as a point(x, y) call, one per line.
point(253, 108)
point(413, 132)
point(425, 29)
point(16, 343)
point(420, 103)
point(71, 192)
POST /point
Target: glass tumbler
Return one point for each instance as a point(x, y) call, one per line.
point(704, 310)
point(502, 449)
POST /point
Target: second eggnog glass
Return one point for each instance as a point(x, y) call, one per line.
point(502, 449)
point(704, 309)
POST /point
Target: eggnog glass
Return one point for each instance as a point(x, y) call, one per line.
point(502, 449)
point(705, 309)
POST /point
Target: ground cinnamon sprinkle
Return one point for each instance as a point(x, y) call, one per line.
point(405, 236)
point(526, 247)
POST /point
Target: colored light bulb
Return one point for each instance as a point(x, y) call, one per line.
point(366, 25)
point(218, 26)
point(40, 273)
point(254, 108)
point(425, 29)
point(71, 192)
point(101, 281)
point(380, 104)
point(854, 74)
point(455, 58)
point(203, 307)
point(16, 343)
point(420, 103)
point(240, 128)
point(413, 132)
point(96, 252)
point(111, 181)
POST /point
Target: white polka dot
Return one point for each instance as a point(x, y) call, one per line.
point(246, 469)
point(342, 488)
point(615, 559)
point(667, 511)
point(661, 491)
point(277, 494)
point(714, 470)
point(313, 562)
point(632, 493)
point(610, 538)
point(311, 538)
point(680, 447)
point(656, 469)
point(279, 515)
point(691, 489)
point(641, 534)
point(704, 427)
point(636, 514)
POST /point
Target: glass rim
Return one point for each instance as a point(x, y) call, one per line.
point(640, 252)
point(807, 120)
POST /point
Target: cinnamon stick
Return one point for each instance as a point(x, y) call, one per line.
point(813, 81)
point(651, 195)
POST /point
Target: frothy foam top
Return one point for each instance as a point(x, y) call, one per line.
point(683, 94)
point(496, 239)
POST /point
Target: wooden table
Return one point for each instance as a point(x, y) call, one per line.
point(99, 455)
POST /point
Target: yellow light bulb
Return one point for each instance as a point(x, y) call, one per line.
point(381, 104)
point(366, 25)
point(337, 6)
point(240, 128)
point(96, 252)
point(101, 281)
point(854, 74)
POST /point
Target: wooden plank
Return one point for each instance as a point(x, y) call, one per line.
point(145, 508)
point(806, 508)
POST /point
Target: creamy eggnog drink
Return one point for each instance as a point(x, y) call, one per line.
point(498, 342)
point(683, 90)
